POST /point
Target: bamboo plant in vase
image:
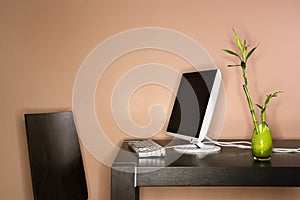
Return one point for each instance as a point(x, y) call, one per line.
point(261, 144)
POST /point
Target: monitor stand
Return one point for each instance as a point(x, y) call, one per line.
point(197, 148)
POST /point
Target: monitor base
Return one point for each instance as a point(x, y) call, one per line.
point(196, 148)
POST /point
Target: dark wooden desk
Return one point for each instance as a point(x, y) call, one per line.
point(230, 167)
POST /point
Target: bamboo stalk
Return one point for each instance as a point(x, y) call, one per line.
point(250, 104)
point(244, 58)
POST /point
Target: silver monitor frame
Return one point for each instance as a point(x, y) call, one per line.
point(210, 108)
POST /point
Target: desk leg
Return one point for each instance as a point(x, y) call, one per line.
point(122, 183)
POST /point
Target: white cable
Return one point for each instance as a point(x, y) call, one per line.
point(238, 144)
point(286, 150)
point(247, 145)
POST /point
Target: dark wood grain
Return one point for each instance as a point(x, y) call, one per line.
point(55, 158)
point(123, 179)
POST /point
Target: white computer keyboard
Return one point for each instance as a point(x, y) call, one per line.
point(146, 148)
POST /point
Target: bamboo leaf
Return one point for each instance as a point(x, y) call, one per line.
point(276, 93)
point(270, 96)
point(244, 48)
point(263, 111)
point(259, 106)
point(250, 53)
point(232, 53)
point(238, 41)
point(233, 65)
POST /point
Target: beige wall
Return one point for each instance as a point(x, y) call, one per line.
point(43, 43)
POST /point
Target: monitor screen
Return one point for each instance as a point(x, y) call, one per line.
point(194, 104)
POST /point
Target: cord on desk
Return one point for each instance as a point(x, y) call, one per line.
point(238, 144)
point(247, 145)
point(286, 150)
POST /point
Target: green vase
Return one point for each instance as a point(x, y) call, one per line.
point(262, 145)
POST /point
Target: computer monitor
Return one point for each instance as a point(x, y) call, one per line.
point(193, 109)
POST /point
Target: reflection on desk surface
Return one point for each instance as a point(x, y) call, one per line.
point(227, 157)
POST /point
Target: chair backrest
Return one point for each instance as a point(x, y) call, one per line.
point(55, 159)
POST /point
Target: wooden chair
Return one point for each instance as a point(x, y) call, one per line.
point(55, 159)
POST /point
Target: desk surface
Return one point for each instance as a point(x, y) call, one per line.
point(230, 167)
